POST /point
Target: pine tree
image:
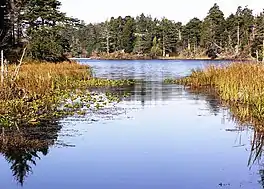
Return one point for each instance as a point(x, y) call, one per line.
point(192, 34)
point(143, 33)
point(244, 22)
point(231, 29)
point(168, 36)
point(44, 25)
point(5, 23)
point(128, 34)
point(156, 50)
point(257, 49)
point(213, 28)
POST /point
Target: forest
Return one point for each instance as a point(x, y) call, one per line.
point(49, 34)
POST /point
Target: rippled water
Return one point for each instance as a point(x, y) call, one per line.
point(161, 137)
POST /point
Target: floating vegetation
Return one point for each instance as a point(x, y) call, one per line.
point(44, 92)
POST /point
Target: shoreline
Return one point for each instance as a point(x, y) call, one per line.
point(234, 91)
point(166, 58)
point(44, 92)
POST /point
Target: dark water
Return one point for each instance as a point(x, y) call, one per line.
point(161, 137)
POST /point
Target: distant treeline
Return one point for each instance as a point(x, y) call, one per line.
point(50, 34)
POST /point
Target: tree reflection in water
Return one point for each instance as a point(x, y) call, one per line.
point(211, 99)
point(243, 122)
point(23, 148)
point(256, 153)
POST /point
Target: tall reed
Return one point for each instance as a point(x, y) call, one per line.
point(239, 83)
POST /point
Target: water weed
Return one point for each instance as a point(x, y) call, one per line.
point(42, 89)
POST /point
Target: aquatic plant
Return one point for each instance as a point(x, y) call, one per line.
point(40, 89)
point(240, 84)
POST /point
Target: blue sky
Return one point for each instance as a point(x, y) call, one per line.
point(100, 10)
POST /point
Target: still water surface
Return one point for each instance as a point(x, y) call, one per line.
point(161, 137)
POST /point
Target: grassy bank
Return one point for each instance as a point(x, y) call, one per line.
point(44, 91)
point(239, 84)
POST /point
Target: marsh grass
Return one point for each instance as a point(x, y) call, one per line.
point(240, 84)
point(40, 88)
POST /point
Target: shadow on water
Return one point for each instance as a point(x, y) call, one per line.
point(256, 154)
point(22, 149)
point(257, 139)
point(157, 91)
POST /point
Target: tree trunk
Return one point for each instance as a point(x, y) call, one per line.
point(263, 51)
point(189, 45)
point(229, 41)
point(180, 36)
point(253, 33)
point(257, 55)
point(163, 50)
point(12, 16)
point(6, 69)
point(238, 39)
point(107, 38)
point(163, 46)
point(2, 67)
point(194, 48)
point(107, 43)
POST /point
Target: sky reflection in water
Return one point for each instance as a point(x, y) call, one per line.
point(161, 137)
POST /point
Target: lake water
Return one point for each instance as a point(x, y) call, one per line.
point(161, 137)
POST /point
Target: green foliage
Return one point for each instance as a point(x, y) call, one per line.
point(213, 27)
point(258, 43)
point(40, 25)
point(156, 50)
point(47, 44)
point(143, 42)
point(128, 34)
point(5, 24)
point(214, 35)
point(245, 21)
point(192, 32)
point(168, 36)
point(44, 30)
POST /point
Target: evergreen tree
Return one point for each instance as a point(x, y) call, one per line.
point(192, 34)
point(257, 49)
point(168, 36)
point(144, 36)
point(155, 50)
point(115, 27)
point(5, 23)
point(244, 22)
point(128, 34)
point(213, 28)
point(49, 33)
point(231, 29)
point(45, 23)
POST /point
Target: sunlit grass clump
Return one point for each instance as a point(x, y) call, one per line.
point(237, 83)
point(36, 94)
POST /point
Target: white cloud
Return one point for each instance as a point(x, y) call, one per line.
point(100, 10)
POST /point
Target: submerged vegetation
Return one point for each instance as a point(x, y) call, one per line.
point(44, 91)
point(239, 85)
